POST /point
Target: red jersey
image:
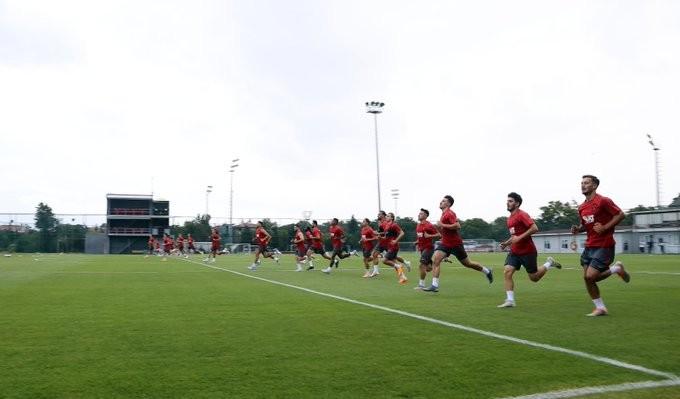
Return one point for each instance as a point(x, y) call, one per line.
point(300, 244)
point(382, 229)
point(191, 242)
point(336, 235)
point(167, 243)
point(598, 210)
point(391, 234)
point(422, 243)
point(180, 242)
point(518, 223)
point(152, 243)
point(215, 239)
point(367, 238)
point(450, 238)
point(318, 239)
point(261, 236)
point(309, 238)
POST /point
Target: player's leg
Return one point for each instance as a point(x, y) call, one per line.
point(467, 262)
point(439, 256)
point(512, 264)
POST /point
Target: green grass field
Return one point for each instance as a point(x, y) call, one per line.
point(76, 326)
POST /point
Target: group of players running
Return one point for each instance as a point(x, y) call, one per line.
point(598, 215)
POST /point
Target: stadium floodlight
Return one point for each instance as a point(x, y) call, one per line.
point(232, 169)
point(208, 190)
point(656, 169)
point(395, 195)
point(375, 108)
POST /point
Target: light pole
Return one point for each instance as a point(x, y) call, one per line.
point(208, 190)
point(232, 169)
point(395, 195)
point(375, 108)
point(656, 168)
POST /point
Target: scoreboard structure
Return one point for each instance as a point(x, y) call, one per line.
point(131, 218)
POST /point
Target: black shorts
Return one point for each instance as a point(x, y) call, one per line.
point(337, 251)
point(517, 261)
point(458, 251)
point(379, 249)
point(319, 251)
point(368, 253)
point(263, 248)
point(301, 252)
point(426, 256)
point(598, 258)
point(392, 254)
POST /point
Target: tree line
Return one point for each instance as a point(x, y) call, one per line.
point(50, 235)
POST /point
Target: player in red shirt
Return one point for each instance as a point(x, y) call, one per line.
point(317, 245)
point(215, 242)
point(151, 243)
point(522, 249)
point(300, 248)
point(598, 216)
point(425, 235)
point(337, 241)
point(394, 233)
point(190, 244)
point(383, 244)
point(451, 243)
point(180, 244)
point(368, 241)
point(262, 239)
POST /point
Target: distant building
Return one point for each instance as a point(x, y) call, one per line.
point(656, 232)
point(131, 218)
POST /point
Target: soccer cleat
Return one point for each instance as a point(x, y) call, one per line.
point(622, 272)
point(408, 265)
point(276, 259)
point(206, 259)
point(554, 263)
point(419, 287)
point(354, 252)
point(489, 276)
point(403, 280)
point(447, 260)
point(432, 288)
point(507, 304)
point(299, 268)
point(367, 274)
point(252, 267)
point(212, 260)
point(276, 251)
point(327, 270)
point(598, 312)
point(310, 268)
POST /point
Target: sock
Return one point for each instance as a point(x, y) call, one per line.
point(435, 281)
point(311, 264)
point(485, 270)
point(510, 295)
point(376, 269)
point(421, 282)
point(547, 265)
point(599, 304)
point(615, 269)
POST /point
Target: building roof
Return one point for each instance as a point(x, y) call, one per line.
point(130, 196)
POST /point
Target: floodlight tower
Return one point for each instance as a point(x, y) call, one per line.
point(208, 190)
point(395, 195)
point(656, 168)
point(232, 169)
point(375, 108)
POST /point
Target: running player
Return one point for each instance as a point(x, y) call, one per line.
point(300, 248)
point(598, 215)
point(425, 234)
point(180, 245)
point(368, 241)
point(383, 244)
point(190, 244)
point(262, 238)
point(394, 233)
point(151, 245)
point(215, 240)
point(451, 243)
point(168, 245)
point(317, 245)
point(522, 249)
point(337, 241)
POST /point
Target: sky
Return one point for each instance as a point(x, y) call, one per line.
point(481, 98)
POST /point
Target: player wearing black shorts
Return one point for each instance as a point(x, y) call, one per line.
point(425, 235)
point(522, 249)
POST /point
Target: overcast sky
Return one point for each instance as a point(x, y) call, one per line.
point(482, 98)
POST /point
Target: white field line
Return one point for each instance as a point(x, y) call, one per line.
point(601, 359)
point(572, 393)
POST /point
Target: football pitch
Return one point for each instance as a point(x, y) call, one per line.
point(79, 326)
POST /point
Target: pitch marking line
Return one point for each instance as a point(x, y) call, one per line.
point(601, 359)
point(571, 393)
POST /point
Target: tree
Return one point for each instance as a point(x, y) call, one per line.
point(499, 229)
point(475, 228)
point(199, 228)
point(46, 224)
point(675, 203)
point(557, 215)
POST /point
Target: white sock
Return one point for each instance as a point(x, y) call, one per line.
point(598, 303)
point(615, 269)
point(421, 282)
point(547, 265)
point(510, 295)
point(311, 264)
point(435, 281)
point(485, 270)
point(376, 269)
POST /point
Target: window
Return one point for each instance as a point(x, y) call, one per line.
point(565, 244)
point(546, 244)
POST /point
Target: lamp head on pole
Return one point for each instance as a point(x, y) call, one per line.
point(374, 107)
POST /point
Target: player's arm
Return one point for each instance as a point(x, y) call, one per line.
point(577, 229)
point(600, 228)
point(514, 239)
point(432, 234)
point(454, 226)
point(399, 236)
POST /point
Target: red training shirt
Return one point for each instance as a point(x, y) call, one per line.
point(519, 222)
point(598, 210)
point(450, 238)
